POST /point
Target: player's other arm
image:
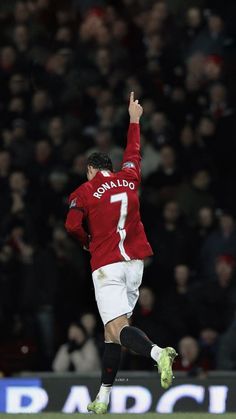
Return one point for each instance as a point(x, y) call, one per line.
point(132, 155)
point(74, 221)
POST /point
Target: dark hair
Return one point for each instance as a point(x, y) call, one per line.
point(100, 161)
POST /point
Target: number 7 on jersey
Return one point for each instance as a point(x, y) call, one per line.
point(123, 198)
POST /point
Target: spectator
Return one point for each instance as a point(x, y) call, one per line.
point(160, 130)
point(149, 315)
point(192, 27)
point(190, 359)
point(206, 131)
point(78, 354)
point(211, 39)
point(43, 160)
point(40, 112)
point(205, 226)
point(8, 60)
point(216, 300)
point(21, 38)
point(145, 315)
point(5, 166)
point(209, 345)
point(172, 239)
point(150, 158)
point(18, 85)
point(221, 241)
point(189, 150)
point(179, 304)
point(78, 171)
point(104, 144)
point(89, 322)
point(226, 359)
point(165, 181)
point(55, 196)
point(21, 12)
point(193, 196)
point(218, 106)
point(56, 131)
point(21, 147)
point(20, 205)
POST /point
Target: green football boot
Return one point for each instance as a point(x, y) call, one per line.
point(97, 407)
point(166, 360)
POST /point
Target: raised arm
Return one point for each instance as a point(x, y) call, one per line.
point(132, 157)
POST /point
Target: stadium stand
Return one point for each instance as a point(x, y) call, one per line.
point(66, 70)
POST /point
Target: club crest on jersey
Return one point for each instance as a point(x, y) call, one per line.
point(73, 203)
point(128, 165)
point(113, 184)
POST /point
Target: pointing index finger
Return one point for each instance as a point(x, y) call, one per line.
point(131, 99)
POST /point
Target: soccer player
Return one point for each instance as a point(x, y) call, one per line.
point(109, 205)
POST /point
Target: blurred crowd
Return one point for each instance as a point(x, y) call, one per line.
point(66, 70)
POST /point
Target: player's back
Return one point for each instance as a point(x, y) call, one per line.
point(110, 204)
point(112, 212)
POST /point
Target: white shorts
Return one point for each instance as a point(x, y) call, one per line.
point(117, 288)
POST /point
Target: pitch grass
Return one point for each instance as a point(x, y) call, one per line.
point(119, 416)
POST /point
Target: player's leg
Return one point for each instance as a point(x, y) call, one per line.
point(110, 366)
point(111, 299)
point(119, 331)
point(134, 338)
point(110, 283)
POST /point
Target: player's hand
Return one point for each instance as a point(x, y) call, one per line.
point(135, 109)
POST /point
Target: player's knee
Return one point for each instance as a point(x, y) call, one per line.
point(111, 334)
point(107, 335)
point(113, 329)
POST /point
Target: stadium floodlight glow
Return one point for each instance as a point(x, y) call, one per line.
point(78, 400)
point(141, 395)
point(168, 400)
point(25, 399)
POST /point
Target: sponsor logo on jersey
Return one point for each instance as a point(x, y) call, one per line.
point(73, 203)
point(113, 184)
point(128, 165)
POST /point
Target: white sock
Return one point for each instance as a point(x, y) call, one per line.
point(104, 394)
point(156, 352)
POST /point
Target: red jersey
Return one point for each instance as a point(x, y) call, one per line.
point(110, 205)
